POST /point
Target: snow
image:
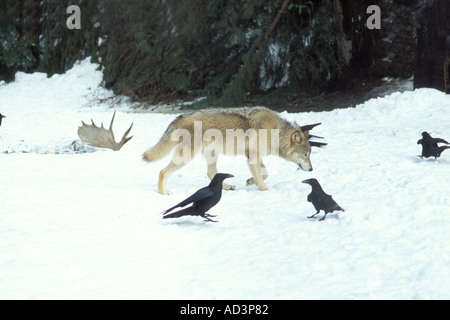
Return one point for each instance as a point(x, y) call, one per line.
point(84, 223)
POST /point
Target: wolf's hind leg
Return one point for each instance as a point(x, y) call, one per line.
point(180, 158)
point(165, 174)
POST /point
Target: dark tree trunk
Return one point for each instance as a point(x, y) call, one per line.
point(355, 41)
point(433, 45)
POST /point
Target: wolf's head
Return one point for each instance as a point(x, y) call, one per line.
point(299, 150)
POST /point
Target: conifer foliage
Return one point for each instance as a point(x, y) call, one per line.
point(34, 36)
point(227, 50)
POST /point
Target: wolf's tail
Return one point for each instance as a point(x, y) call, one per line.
point(162, 148)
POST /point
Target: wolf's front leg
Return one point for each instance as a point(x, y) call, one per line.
point(212, 170)
point(263, 171)
point(257, 176)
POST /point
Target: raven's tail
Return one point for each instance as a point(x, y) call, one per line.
point(442, 148)
point(190, 211)
point(176, 214)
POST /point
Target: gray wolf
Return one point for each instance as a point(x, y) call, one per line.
point(203, 200)
point(253, 132)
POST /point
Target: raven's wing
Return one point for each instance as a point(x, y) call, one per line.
point(439, 140)
point(317, 144)
point(317, 199)
point(331, 204)
point(309, 126)
point(199, 195)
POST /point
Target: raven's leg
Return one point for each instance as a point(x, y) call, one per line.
point(323, 218)
point(314, 215)
point(207, 217)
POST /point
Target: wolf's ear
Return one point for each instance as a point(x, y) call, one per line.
point(296, 137)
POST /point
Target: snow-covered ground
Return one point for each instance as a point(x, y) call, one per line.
point(85, 223)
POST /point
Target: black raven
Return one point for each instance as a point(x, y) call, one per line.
point(430, 146)
point(1, 117)
point(203, 200)
point(320, 199)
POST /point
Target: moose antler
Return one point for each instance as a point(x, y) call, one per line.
point(100, 137)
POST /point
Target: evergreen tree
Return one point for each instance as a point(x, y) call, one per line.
point(60, 46)
point(19, 30)
point(228, 50)
point(34, 36)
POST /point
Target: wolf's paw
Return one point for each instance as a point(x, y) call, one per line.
point(263, 187)
point(250, 181)
point(165, 192)
point(227, 187)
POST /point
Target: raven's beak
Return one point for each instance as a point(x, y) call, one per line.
point(226, 176)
